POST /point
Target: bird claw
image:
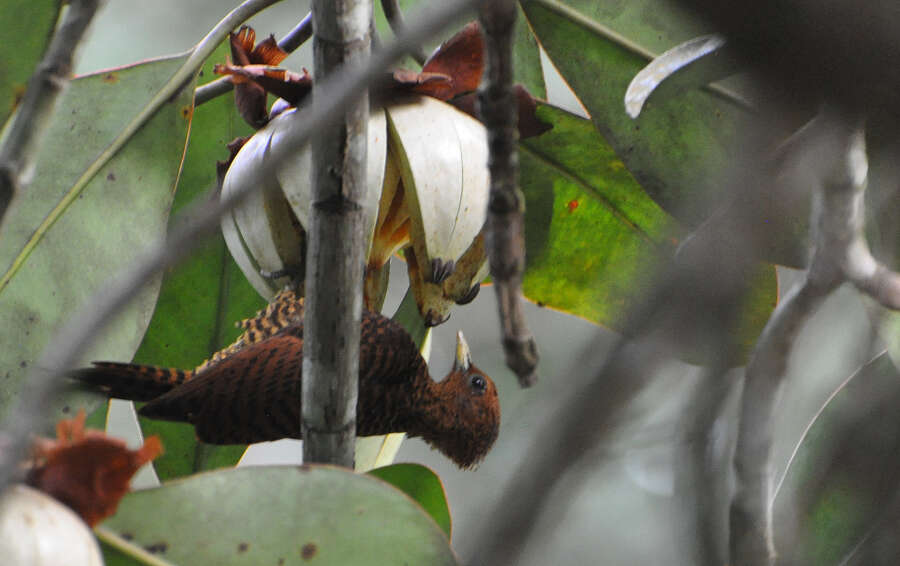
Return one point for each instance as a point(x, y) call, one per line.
point(470, 295)
point(432, 319)
point(441, 270)
point(291, 271)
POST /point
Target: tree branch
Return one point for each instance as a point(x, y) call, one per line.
point(506, 224)
point(45, 86)
point(46, 376)
point(335, 253)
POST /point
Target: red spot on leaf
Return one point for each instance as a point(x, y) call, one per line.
point(308, 550)
point(86, 469)
point(572, 205)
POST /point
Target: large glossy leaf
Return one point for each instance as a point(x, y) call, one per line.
point(593, 235)
point(62, 240)
point(24, 42)
point(677, 147)
point(281, 515)
point(423, 485)
point(592, 232)
point(201, 299)
point(843, 470)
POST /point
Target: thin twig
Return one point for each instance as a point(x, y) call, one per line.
point(289, 43)
point(506, 224)
point(394, 16)
point(50, 78)
point(335, 252)
point(46, 377)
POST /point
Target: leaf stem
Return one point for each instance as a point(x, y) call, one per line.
point(129, 548)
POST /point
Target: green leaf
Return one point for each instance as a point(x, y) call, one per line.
point(112, 556)
point(62, 239)
point(836, 480)
point(677, 147)
point(202, 299)
point(593, 236)
point(423, 485)
point(28, 27)
point(281, 515)
point(527, 68)
point(592, 233)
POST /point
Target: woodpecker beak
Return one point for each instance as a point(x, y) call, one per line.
point(463, 356)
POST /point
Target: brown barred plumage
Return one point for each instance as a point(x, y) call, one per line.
point(252, 393)
point(285, 309)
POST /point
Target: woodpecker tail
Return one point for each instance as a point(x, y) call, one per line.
point(131, 381)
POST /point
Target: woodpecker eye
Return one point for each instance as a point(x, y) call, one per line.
point(478, 383)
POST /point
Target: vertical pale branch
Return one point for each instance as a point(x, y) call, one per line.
point(44, 88)
point(335, 245)
point(506, 221)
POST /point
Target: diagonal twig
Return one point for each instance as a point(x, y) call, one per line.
point(395, 18)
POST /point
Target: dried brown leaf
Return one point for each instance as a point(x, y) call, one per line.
point(86, 469)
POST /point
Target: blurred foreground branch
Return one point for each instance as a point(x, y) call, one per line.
point(394, 16)
point(506, 208)
point(45, 86)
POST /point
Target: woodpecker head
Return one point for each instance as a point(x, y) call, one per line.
point(468, 414)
